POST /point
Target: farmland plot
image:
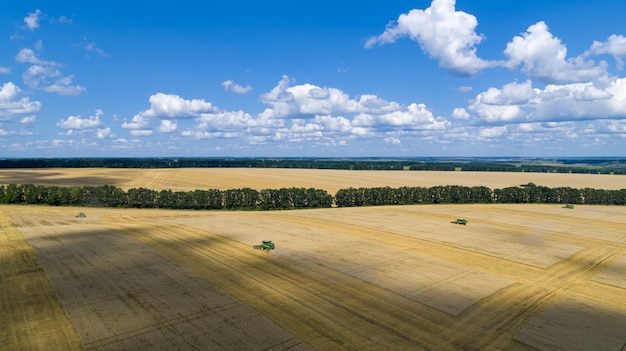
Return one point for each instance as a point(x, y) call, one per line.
point(122, 295)
point(517, 277)
point(185, 179)
point(405, 276)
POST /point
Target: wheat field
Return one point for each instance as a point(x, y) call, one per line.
point(516, 277)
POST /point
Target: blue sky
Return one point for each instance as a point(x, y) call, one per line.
point(312, 79)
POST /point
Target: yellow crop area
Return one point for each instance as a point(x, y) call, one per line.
point(516, 277)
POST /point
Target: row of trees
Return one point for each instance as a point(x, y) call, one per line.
point(295, 198)
point(576, 165)
point(212, 199)
point(454, 194)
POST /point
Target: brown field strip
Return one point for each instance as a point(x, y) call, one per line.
point(31, 315)
point(186, 179)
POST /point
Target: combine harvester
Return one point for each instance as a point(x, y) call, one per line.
point(265, 245)
point(461, 221)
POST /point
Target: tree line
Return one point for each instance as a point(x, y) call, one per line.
point(300, 198)
point(592, 166)
point(455, 194)
point(212, 199)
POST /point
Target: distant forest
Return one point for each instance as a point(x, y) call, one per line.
point(299, 198)
point(599, 165)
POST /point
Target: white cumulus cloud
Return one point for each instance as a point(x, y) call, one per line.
point(233, 87)
point(28, 120)
point(330, 115)
point(614, 46)
point(173, 106)
point(310, 100)
point(460, 113)
point(444, 33)
point(11, 105)
point(415, 116)
point(306, 99)
point(522, 103)
point(168, 126)
point(138, 122)
point(104, 133)
point(45, 76)
point(32, 20)
point(543, 57)
point(77, 122)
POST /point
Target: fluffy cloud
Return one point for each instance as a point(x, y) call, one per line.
point(444, 33)
point(615, 46)
point(520, 102)
point(460, 113)
point(310, 100)
point(27, 55)
point(306, 99)
point(543, 57)
point(166, 108)
point(104, 133)
point(297, 113)
point(77, 123)
point(168, 126)
point(28, 120)
point(233, 87)
point(32, 20)
point(173, 106)
point(510, 94)
point(492, 132)
point(415, 116)
point(237, 121)
point(11, 105)
point(324, 113)
point(137, 123)
point(44, 75)
point(9, 91)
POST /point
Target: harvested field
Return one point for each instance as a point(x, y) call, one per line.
point(123, 295)
point(517, 277)
point(185, 179)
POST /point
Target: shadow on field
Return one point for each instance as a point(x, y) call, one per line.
point(163, 285)
point(31, 315)
point(48, 178)
point(123, 294)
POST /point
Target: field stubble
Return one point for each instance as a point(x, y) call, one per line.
point(186, 179)
point(517, 277)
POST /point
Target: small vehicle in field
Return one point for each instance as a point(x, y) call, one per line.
point(265, 245)
point(461, 221)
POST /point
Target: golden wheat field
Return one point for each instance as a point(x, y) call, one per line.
point(516, 277)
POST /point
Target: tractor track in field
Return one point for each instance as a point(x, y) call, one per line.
point(320, 299)
point(485, 325)
point(492, 329)
point(126, 295)
point(436, 249)
point(340, 279)
point(31, 315)
point(571, 220)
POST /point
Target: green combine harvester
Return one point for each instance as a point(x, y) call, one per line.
point(461, 221)
point(265, 245)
